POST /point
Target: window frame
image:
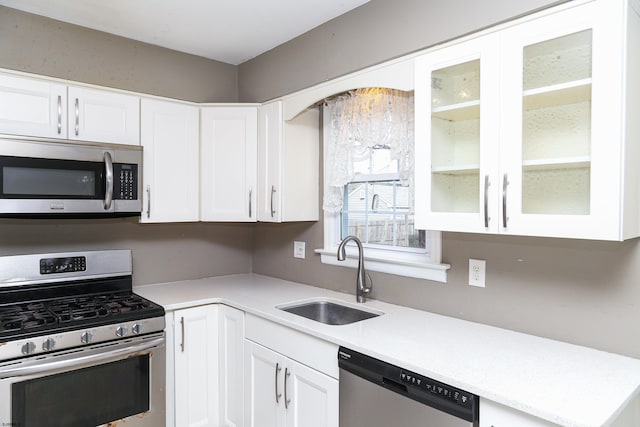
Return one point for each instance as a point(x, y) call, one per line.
point(408, 263)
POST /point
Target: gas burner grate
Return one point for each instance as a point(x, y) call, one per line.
point(24, 317)
point(40, 315)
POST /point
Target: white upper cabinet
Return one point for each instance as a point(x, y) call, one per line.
point(456, 133)
point(288, 164)
point(528, 130)
point(102, 116)
point(228, 163)
point(170, 137)
point(32, 107)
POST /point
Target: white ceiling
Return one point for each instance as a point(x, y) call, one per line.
point(231, 31)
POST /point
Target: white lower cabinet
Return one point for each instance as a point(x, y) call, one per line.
point(196, 361)
point(204, 379)
point(291, 378)
point(231, 366)
point(282, 392)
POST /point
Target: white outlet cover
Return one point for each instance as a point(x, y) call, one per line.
point(299, 249)
point(477, 272)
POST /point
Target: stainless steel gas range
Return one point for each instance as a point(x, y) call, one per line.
point(77, 347)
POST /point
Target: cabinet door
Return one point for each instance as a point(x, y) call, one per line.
point(231, 339)
point(456, 133)
point(270, 146)
point(98, 115)
point(311, 397)
point(561, 146)
point(32, 107)
point(228, 163)
point(264, 371)
point(196, 366)
point(170, 139)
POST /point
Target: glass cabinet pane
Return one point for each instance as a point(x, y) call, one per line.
point(455, 138)
point(556, 126)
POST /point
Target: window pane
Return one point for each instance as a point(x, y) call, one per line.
point(379, 213)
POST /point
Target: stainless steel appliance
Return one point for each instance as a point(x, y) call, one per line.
point(77, 347)
point(374, 393)
point(53, 178)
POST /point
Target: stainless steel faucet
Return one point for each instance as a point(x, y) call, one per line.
point(361, 280)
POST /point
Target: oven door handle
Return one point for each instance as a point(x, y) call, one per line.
point(77, 358)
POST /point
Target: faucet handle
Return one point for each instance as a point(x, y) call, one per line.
point(368, 284)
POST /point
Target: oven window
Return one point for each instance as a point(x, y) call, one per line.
point(48, 182)
point(86, 397)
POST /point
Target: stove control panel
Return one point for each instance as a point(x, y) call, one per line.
point(63, 265)
point(36, 346)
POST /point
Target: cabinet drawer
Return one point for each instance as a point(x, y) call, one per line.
point(313, 352)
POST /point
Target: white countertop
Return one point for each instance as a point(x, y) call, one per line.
point(559, 382)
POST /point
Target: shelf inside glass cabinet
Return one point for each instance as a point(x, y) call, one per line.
point(556, 95)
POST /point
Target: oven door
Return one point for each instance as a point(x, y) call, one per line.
point(91, 386)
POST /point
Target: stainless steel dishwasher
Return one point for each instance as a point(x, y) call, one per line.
point(374, 393)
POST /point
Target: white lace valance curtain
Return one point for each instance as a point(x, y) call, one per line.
point(358, 121)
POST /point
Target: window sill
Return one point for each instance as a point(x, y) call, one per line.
point(405, 264)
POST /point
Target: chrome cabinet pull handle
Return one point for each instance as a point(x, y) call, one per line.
point(278, 395)
point(148, 201)
point(182, 340)
point(108, 166)
point(486, 201)
point(77, 116)
point(505, 184)
point(287, 401)
point(273, 190)
point(59, 114)
point(250, 194)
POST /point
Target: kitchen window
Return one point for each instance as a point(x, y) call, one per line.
point(368, 185)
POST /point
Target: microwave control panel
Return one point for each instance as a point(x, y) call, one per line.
point(125, 186)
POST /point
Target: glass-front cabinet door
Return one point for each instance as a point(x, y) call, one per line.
point(523, 131)
point(456, 136)
point(559, 162)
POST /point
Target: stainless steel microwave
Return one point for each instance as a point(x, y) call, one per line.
point(43, 178)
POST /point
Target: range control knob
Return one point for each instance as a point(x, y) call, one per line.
point(28, 348)
point(86, 337)
point(136, 329)
point(121, 331)
point(48, 344)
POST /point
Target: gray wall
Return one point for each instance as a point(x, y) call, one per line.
point(373, 33)
point(34, 44)
point(162, 252)
point(583, 292)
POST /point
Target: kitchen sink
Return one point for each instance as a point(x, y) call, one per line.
point(329, 312)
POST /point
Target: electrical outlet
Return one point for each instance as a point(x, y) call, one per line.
point(298, 249)
point(477, 270)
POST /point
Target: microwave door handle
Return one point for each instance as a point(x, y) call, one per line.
point(108, 193)
point(74, 360)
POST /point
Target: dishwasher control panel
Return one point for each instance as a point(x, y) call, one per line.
point(429, 385)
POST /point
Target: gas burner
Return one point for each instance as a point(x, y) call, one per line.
point(14, 319)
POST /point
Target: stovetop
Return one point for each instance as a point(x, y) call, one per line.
point(27, 319)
